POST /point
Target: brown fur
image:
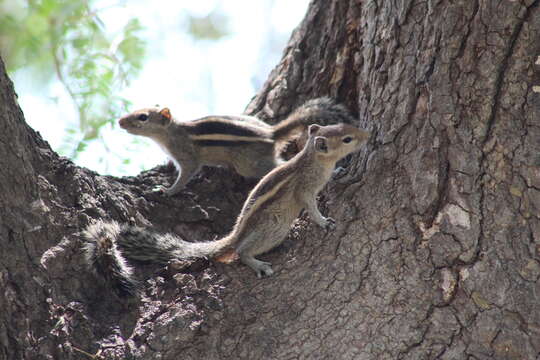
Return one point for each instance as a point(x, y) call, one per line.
point(246, 144)
point(263, 223)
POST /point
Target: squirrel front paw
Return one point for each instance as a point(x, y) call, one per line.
point(339, 172)
point(160, 189)
point(170, 192)
point(327, 223)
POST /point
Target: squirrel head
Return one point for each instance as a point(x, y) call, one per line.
point(146, 122)
point(334, 142)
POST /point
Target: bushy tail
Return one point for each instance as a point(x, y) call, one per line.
point(293, 130)
point(322, 111)
point(110, 245)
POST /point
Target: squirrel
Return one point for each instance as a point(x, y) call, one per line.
point(245, 143)
point(263, 223)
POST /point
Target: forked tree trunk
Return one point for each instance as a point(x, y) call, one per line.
point(437, 250)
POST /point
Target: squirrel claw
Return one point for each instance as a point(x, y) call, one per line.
point(169, 192)
point(339, 172)
point(330, 224)
point(265, 268)
point(159, 189)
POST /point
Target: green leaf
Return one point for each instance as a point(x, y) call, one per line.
point(67, 39)
point(213, 26)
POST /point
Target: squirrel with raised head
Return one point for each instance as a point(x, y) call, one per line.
point(263, 223)
point(245, 143)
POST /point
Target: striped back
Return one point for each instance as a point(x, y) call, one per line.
point(225, 131)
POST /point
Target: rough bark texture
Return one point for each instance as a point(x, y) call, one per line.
point(437, 250)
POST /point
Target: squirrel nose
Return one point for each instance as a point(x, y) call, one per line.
point(122, 122)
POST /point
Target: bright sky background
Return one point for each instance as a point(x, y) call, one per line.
point(192, 78)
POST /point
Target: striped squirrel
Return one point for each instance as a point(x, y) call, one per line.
point(262, 225)
point(245, 143)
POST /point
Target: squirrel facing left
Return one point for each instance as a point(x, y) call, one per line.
point(245, 143)
point(263, 223)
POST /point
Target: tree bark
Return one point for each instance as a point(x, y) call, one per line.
point(437, 250)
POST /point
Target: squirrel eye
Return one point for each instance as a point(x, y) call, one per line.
point(347, 139)
point(142, 117)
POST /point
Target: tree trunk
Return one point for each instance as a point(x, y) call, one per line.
point(437, 249)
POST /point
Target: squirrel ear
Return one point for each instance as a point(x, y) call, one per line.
point(320, 144)
point(313, 129)
point(166, 113)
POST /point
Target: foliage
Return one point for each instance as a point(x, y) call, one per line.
point(66, 40)
point(213, 26)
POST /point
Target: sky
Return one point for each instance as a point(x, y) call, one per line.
point(192, 78)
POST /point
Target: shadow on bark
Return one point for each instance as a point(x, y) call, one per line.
point(436, 253)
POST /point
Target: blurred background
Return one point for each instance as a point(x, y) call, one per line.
point(78, 65)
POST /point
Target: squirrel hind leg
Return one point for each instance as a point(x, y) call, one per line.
point(260, 267)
